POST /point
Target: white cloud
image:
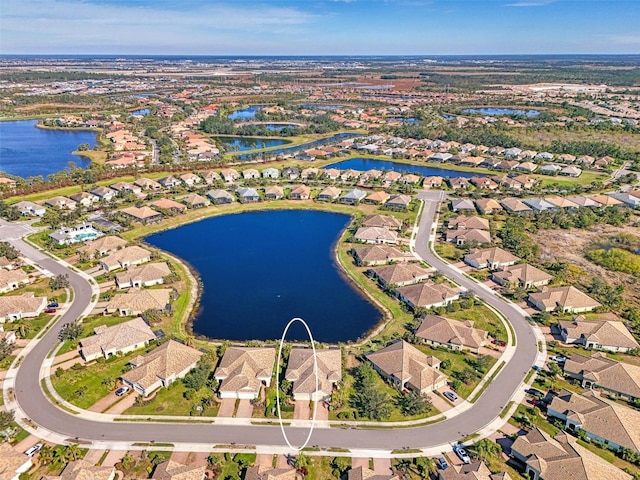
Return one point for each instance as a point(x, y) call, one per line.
point(621, 39)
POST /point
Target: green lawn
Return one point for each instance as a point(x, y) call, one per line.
point(457, 364)
point(90, 377)
point(171, 401)
point(483, 318)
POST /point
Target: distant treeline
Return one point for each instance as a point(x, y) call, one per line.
point(54, 76)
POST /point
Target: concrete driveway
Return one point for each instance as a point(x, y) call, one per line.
point(302, 410)
point(245, 409)
point(227, 407)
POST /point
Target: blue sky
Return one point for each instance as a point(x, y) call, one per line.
point(319, 27)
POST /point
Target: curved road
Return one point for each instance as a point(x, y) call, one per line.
point(37, 407)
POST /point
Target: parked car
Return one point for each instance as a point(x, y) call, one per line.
point(534, 392)
point(33, 450)
point(50, 310)
point(461, 453)
point(537, 368)
point(559, 358)
point(121, 391)
point(53, 304)
point(451, 396)
point(442, 463)
point(500, 343)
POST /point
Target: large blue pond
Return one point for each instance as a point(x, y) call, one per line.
point(364, 164)
point(242, 144)
point(27, 151)
point(261, 269)
point(245, 113)
point(502, 111)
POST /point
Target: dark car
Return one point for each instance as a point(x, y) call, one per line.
point(442, 463)
point(50, 310)
point(534, 392)
point(52, 305)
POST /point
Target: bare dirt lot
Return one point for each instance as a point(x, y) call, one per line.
point(569, 245)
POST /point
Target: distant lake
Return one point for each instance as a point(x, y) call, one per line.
point(27, 151)
point(241, 144)
point(261, 269)
point(141, 113)
point(280, 126)
point(403, 119)
point(364, 164)
point(245, 113)
point(314, 106)
point(302, 147)
point(502, 111)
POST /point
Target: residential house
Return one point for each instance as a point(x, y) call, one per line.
point(15, 307)
point(85, 199)
point(83, 470)
point(584, 201)
point(606, 200)
point(458, 183)
point(611, 335)
point(331, 173)
point(193, 200)
point(329, 194)
point(469, 222)
point(377, 198)
point(105, 194)
point(454, 334)
point(627, 198)
point(463, 236)
point(407, 367)
point(147, 184)
point(550, 169)
point(229, 175)
point(220, 197)
point(117, 339)
point(601, 420)
point(353, 197)
point(527, 167)
point(169, 181)
point(124, 187)
point(597, 371)
point(301, 371)
point(476, 470)
point(210, 177)
point(273, 192)
point(386, 221)
point(12, 462)
point(250, 174)
point(565, 299)
point(143, 275)
point(440, 157)
point(262, 472)
point(168, 204)
point(391, 176)
point(300, 192)
point(399, 274)
point(410, 179)
point(308, 173)
point(488, 206)
point(136, 301)
point(160, 367)
point(539, 204)
point(427, 295)
point(549, 458)
point(376, 235)
point(190, 179)
point(562, 202)
point(492, 258)
point(364, 473)
point(12, 279)
point(30, 209)
point(571, 171)
point(399, 202)
point(243, 370)
point(79, 233)
point(125, 257)
point(63, 203)
point(102, 245)
point(248, 195)
point(379, 255)
point(142, 214)
point(484, 182)
point(461, 204)
point(515, 205)
point(292, 173)
point(172, 470)
point(521, 275)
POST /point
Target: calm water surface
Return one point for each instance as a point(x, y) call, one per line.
point(364, 164)
point(242, 144)
point(245, 113)
point(502, 111)
point(261, 269)
point(27, 151)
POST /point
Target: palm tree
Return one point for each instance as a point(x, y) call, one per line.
point(485, 449)
point(45, 456)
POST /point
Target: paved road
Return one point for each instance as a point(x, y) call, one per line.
point(36, 406)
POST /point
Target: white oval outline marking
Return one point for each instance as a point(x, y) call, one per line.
point(315, 370)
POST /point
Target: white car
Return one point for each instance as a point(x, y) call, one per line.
point(121, 391)
point(33, 450)
point(462, 453)
point(558, 358)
